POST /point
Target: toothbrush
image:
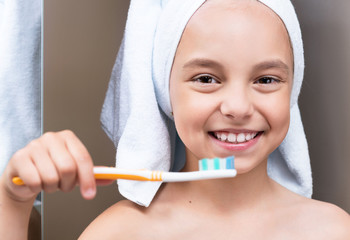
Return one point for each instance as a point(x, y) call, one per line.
point(208, 169)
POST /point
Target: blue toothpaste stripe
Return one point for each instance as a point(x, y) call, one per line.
point(230, 163)
point(204, 164)
point(216, 163)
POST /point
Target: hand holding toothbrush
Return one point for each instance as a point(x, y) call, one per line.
point(55, 161)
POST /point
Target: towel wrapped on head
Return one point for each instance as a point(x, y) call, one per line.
point(136, 113)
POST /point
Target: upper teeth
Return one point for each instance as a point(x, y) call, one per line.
point(235, 137)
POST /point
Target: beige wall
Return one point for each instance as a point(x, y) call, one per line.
point(325, 101)
point(81, 39)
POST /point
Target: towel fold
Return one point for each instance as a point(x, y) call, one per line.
point(136, 113)
point(20, 71)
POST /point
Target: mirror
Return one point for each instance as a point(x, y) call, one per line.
point(20, 84)
point(81, 39)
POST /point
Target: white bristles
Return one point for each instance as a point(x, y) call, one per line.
point(210, 164)
point(222, 163)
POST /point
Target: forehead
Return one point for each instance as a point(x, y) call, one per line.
point(246, 27)
point(247, 7)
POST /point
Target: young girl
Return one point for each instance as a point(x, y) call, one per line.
point(233, 80)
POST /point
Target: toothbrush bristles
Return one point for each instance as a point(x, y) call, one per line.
point(216, 163)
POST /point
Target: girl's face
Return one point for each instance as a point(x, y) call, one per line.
point(231, 82)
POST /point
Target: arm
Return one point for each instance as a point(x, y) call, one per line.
point(14, 215)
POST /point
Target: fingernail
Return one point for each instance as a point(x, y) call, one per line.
point(90, 193)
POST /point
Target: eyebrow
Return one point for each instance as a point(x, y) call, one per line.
point(202, 62)
point(275, 63)
point(208, 63)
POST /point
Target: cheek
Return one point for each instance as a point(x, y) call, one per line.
point(190, 112)
point(181, 104)
point(278, 116)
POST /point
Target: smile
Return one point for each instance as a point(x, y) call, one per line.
point(234, 137)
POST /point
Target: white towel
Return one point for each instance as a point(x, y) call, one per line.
point(20, 71)
point(136, 113)
point(1, 11)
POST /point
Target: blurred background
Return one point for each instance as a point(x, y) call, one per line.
point(81, 40)
point(324, 99)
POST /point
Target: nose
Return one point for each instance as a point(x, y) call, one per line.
point(236, 102)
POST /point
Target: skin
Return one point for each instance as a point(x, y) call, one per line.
point(240, 92)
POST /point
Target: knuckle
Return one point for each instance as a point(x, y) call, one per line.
point(84, 157)
point(20, 154)
point(34, 144)
point(35, 185)
point(48, 135)
point(67, 133)
point(84, 161)
point(35, 189)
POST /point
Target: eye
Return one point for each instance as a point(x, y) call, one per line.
point(267, 80)
point(205, 79)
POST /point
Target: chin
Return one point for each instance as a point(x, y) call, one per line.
point(246, 166)
point(243, 170)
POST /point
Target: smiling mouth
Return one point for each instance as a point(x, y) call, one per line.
point(234, 137)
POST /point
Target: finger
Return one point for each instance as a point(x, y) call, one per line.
point(44, 165)
point(22, 166)
point(30, 177)
point(84, 165)
point(63, 161)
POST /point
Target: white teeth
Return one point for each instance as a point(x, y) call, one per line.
point(223, 137)
point(232, 137)
point(240, 137)
point(235, 138)
point(248, 137)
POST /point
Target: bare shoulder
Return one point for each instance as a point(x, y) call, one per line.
point(324, 220)
point(335, 220)
point(123, 220)
point(127, 220)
